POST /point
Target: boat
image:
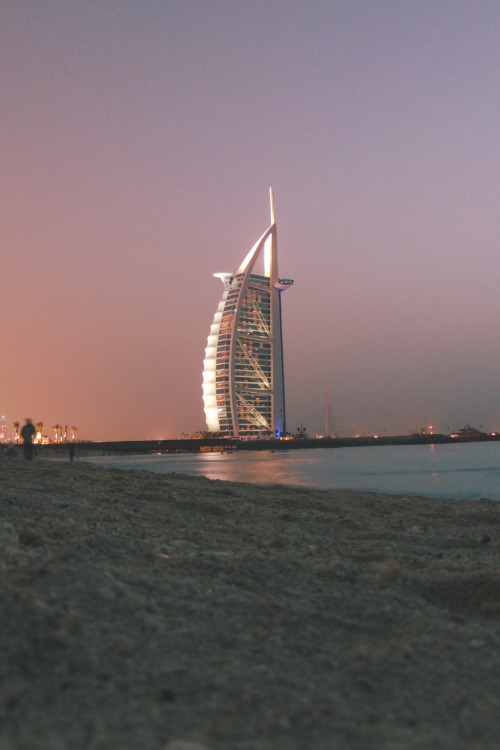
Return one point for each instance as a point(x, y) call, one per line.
point(469, 433)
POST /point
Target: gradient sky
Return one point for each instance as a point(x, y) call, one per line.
point(138, 142)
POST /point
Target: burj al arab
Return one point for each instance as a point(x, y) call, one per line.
point(243, 372)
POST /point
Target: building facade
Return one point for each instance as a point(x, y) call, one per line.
point(243, 376)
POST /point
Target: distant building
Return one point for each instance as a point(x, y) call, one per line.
point(4, 433)
point(243, 376)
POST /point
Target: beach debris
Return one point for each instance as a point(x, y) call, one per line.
point(388, 570)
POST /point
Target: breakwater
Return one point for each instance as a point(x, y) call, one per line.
point(202, 445)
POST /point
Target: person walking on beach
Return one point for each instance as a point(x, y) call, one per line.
point(28, 432)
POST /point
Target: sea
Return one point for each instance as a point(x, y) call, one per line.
point(458, 470)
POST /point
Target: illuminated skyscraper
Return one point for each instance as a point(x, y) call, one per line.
point(243, 378)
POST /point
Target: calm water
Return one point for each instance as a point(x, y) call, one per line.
point(470, 470)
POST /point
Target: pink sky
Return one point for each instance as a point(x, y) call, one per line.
point(138, 142)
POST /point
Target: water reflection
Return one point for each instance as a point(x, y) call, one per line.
point(257, 467)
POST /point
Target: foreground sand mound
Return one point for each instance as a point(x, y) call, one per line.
point(166, 612)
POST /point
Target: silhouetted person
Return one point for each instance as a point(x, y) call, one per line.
point(28, 432)
point(71, 452)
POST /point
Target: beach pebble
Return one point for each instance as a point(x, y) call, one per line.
point(106, 593)
point(258, 669)
point(181, 744)
point(72, 622)
point(152, 623)
point(476, 643)
point(29, 538)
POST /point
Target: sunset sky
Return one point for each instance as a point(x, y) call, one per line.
point(138, 142)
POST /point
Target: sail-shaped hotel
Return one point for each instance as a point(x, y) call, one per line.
point(243, 377)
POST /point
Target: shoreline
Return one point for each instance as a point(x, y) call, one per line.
point(421, 471)
point(173, 612)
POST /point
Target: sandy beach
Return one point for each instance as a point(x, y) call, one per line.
point(166, 612)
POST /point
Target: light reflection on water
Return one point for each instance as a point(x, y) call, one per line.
point(470, 470)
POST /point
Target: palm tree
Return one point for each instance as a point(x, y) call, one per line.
point(74, 430)
point(57, 431)
point(39, 429)
point(17, 427)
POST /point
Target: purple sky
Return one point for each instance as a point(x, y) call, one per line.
point(138, 142)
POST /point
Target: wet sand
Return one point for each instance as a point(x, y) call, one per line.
point(166, 612)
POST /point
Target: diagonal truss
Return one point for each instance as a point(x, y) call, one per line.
point(264, 325)
point(254, 416)
point(247, 363)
